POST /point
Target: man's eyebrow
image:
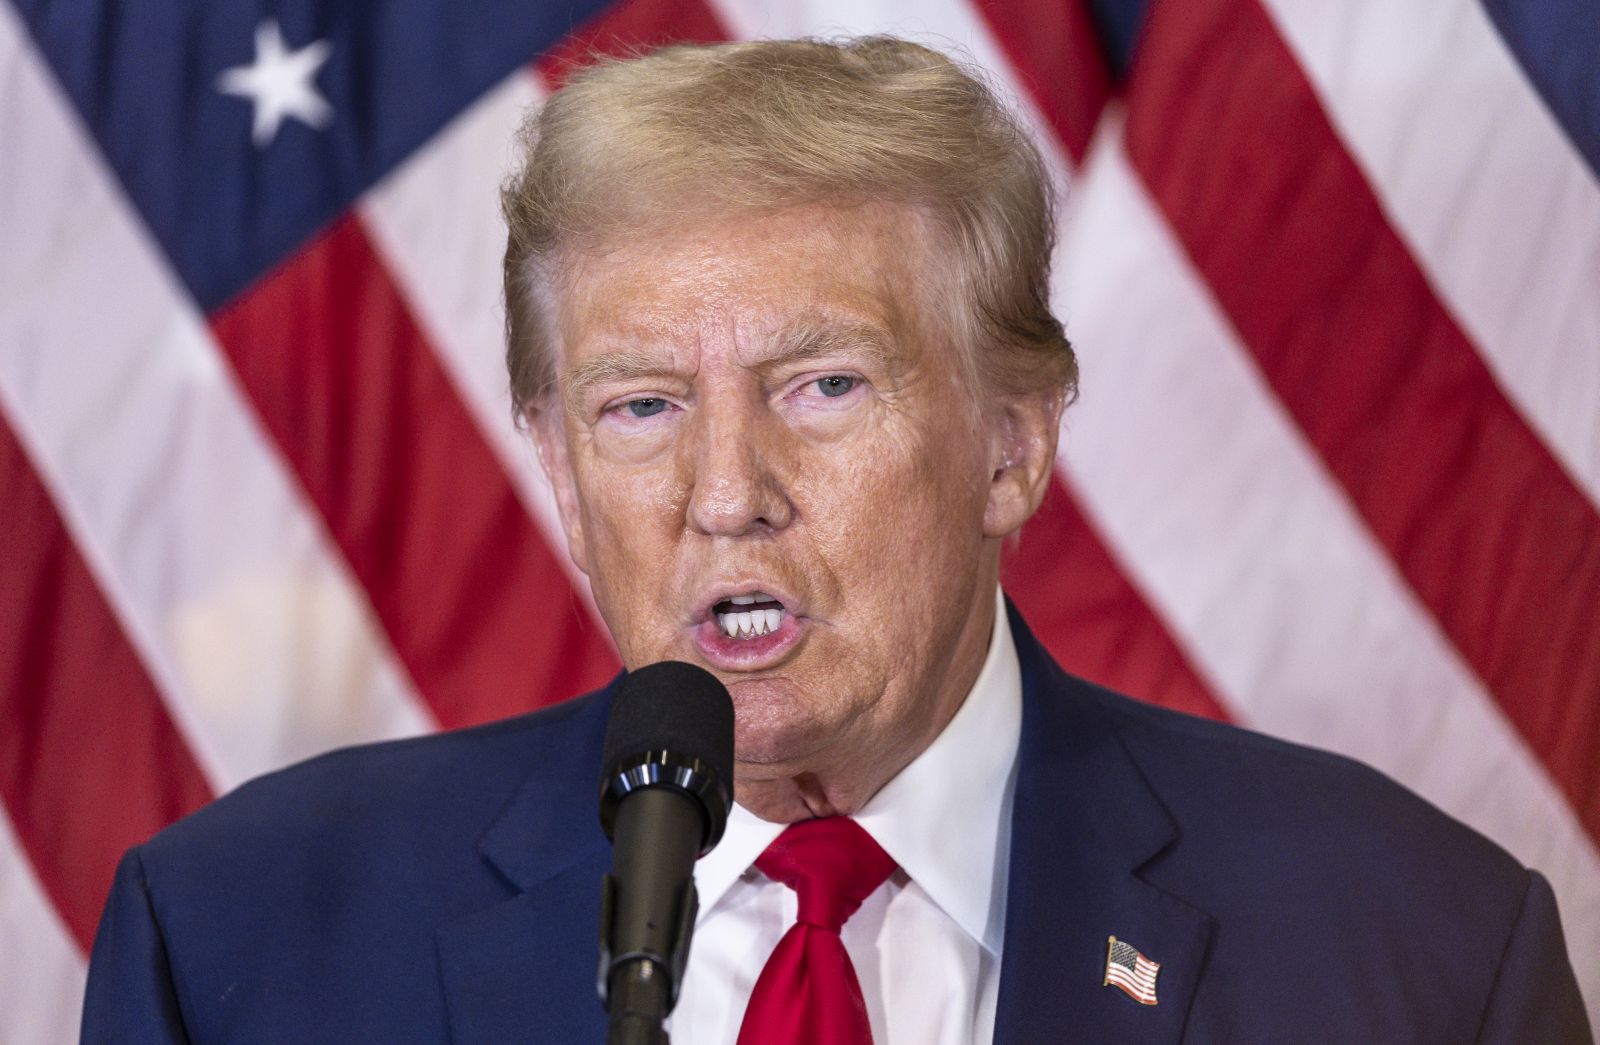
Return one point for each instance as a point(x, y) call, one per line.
point(797, 343)
point(802, 342)
point(616, 366)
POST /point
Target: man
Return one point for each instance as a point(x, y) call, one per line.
point(777, 323)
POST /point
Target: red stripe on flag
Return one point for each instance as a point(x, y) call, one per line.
point(1492, 535)
point(90, 761)
point(629, 27)
point(1078, 600)
point(476, 605)
point(1055, 50)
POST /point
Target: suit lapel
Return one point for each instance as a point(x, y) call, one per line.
point(524, 970)
point(1084, 823)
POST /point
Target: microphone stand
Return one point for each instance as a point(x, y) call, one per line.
point(666, 785)
point(658, 831)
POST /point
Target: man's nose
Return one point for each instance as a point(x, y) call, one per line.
point(735, 489)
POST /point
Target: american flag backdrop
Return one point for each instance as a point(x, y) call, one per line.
point(1333, 270)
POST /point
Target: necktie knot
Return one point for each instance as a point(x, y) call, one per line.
point(808, 993)
point(832, 864)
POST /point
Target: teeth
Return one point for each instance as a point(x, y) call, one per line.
point(747, 624)
point(752, 599)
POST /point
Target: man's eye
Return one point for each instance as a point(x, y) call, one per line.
point(646, 407)
point(835, 385)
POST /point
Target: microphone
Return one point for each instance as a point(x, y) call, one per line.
point(666, 785)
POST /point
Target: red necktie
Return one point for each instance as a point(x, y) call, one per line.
point(808, 993)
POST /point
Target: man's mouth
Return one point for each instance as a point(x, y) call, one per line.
point(748, 628)
point(749, 616)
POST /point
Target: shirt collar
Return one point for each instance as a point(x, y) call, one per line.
point(745, 838)
point(945, 818)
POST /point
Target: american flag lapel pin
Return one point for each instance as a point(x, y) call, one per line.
point(1131, 971)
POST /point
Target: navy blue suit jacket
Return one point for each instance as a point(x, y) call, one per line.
point(446, 888)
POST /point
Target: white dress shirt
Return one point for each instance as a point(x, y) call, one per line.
point(926, 945)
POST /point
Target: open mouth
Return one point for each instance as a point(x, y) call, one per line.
point(749, 616)
point(749, 628)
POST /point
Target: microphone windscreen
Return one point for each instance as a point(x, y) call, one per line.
point(676, 707)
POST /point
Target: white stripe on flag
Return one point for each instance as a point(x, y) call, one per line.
point(1482, 184)
point(436, 219)
point(218, 571)
point(41, 971)
point(1259, 566)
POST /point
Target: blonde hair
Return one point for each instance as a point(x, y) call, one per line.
point(644, 141)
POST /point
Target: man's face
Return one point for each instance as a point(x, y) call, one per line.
point(772, 465)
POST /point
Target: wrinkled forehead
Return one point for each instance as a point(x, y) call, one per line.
point(796, 279)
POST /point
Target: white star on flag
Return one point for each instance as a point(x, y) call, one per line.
point(280, 83)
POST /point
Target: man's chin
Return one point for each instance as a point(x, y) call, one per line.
point(776, 726)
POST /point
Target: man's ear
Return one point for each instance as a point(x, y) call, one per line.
point(1022, 449)
point(546, 424)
